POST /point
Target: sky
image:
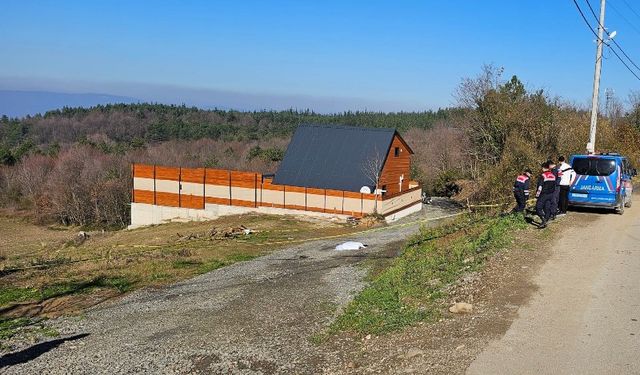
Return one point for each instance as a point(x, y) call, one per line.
point(325, 55)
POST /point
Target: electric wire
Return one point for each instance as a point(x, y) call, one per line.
point(596, 35)
point(609, 35)
point(630, 7)
point(618, 12)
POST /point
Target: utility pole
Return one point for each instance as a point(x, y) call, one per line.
point(591, 146)
point(608, 102)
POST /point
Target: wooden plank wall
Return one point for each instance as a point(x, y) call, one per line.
point(195, 187)
point(396, 166)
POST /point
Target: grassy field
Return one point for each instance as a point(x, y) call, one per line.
point(410, 289)
point(46, 271)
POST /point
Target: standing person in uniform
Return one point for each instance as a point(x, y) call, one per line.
point(556, 192)
point(544, 192)
point(521, 190)
point(567, 177)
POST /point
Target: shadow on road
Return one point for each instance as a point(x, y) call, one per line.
point(35, 351)
point(588, 210)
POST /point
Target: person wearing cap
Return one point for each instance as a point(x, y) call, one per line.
point(521, 190)
point(544, 192)
point(567, 177)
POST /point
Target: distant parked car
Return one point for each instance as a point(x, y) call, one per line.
point(603, 180)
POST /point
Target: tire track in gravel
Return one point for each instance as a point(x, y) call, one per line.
point(251, 317)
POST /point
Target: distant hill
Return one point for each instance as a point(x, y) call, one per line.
point(140, 123)
point(21, 103)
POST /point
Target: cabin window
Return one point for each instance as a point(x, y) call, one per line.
point(396, 152)
point(384, 190)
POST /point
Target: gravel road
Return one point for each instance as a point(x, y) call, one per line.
point(251, 317)
point(585, 316)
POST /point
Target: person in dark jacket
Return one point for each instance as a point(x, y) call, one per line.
point(556, 193)
point(521, 190)
point(544, 192)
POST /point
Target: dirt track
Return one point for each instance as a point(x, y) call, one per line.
point(254, 317)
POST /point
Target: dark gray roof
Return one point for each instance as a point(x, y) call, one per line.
point(333, 156)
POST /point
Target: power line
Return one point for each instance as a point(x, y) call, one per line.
point(630, 7)
point(609, 35)
point(597, 37)
point(618, 12)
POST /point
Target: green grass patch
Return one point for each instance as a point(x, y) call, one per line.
point(10, 295)
point(122, 284)
point(186, 263)
point(16, 295)
point(214, 264)
point(9, 327)
point(411, 288)
point(211, 266)
point(241, 257)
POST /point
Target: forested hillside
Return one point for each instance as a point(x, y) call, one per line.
point(135, 124)
point(73, 165)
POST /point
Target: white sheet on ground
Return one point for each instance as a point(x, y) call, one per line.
point(350, 245)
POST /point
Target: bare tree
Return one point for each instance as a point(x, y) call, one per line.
point(471, 91)
point(372, 169)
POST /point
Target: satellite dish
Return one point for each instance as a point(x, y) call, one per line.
point(365, 190)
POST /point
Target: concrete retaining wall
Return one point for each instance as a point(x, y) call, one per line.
point(143, 214)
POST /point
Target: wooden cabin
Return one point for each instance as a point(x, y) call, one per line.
point(347, 158)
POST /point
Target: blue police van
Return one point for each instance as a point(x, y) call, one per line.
point(602, 180)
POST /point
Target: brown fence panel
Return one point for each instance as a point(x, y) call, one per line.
point(193, 175)
point(290, 197)
point(143, 170)
point(315, 191)
point(269, 186)
point(143, 196)
point(350, 194)
point(167, 199)
point(243, 179)
point(217, 177)
point(295, 189)
point(191, 201)
point(335, 193)
point(167, 173)
point(215, 200)
point(242, 203)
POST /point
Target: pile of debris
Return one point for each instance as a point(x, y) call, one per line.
point(217, 234)
point(367, 221)
point(230, 232)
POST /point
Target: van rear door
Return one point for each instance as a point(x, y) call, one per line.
point(597, 180)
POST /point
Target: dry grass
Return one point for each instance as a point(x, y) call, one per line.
point(38, 264)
